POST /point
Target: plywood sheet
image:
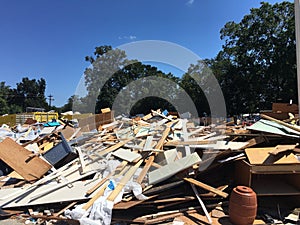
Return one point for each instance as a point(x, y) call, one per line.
point(20, 160)
point(258, 156)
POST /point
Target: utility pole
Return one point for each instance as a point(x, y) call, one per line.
point(50, 99)
point(297, 30)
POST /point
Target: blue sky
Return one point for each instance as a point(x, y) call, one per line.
point(50, 38)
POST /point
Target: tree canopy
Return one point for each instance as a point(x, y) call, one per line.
point(109, 75)
point(257, 63)
point(28, 93)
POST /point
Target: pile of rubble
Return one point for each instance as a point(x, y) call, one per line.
point(147, 170)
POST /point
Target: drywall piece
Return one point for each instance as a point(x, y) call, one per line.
point(185, 136)
point(178, 125)
point(167, 157)
point(197, 131)
point(257, 156)
point(148, 144)
point(125, 133)
point(47, 130)
point(171, 169)
point(143, 131)
point(63, 194)
point(222, 145)
point(29, 166)
point(274, 128)
point(126, 154)
point(233, 145)
point(170, 155)
point(33, 147)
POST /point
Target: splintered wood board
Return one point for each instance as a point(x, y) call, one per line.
point(258, 156)
point(282, 148)
point(18, 158)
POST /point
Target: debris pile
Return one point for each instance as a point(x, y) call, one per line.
point(153, 169)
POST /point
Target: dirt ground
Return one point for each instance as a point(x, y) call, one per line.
point(10, 222)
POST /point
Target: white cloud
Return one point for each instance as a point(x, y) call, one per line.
point(130, 37)
point(190, 2)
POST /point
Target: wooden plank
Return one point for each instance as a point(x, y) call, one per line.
point(117, 171)
point(159, 146)
point(207, 187)
point(295, 128)
point(18, 158)
point(127, 205)
point(165, 134)
point(114, 147)
point(282, 148)
point(96, 196)
point(105, 110)
point(124, 180)
point(65, 208)
point(255, 141)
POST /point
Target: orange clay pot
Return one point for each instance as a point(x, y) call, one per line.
point(242, 206)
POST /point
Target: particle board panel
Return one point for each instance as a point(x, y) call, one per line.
point(21, 160)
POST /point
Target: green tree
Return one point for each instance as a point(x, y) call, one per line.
point(99, 77)
point(5, 93)
point(110, 73)
point(74, 103)
point(257, 64)
point(30, 93)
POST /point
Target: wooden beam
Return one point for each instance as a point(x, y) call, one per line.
point(114, 147)
point(295, 128)
point(206, 187)
point(124, 180)
point(96, 196)
point(158, 146)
